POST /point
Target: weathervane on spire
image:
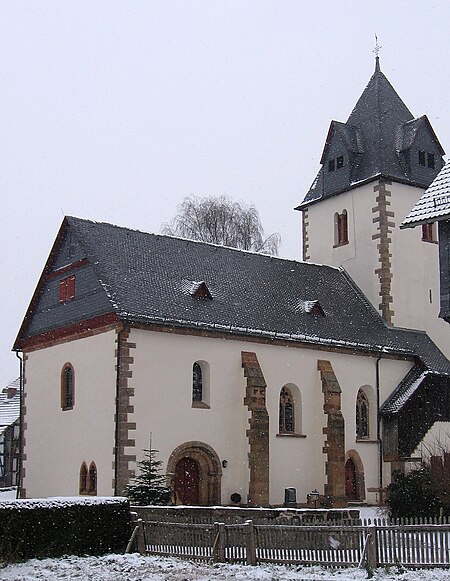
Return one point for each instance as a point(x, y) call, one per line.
point(376, 50)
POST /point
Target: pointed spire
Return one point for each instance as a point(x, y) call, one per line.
point(376, 50)
point(377, 64)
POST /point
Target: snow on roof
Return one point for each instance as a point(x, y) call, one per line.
point(434, 205)
point(9, 404)
point(404, 391)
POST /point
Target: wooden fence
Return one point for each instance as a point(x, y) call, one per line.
point(373, 543)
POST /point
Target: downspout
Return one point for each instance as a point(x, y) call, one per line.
point(19, 463)
point(116, 430)
point(380, 443)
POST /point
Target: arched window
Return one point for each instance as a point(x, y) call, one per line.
point(287, 414)
point(197, 382)
point(88, 479)
point(67, 387)
point(362, 415)
point(340, 228)
point(83, 479)
point(92, 480)
point(200, 385)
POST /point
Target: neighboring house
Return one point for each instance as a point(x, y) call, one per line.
point(433, 209)
point(9, 434)
point(252, 374)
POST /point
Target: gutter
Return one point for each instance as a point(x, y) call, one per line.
point(19, 479)
point(380, 443)
point(116, 427)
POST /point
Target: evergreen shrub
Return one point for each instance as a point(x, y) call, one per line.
point(148, 487)
point(413, 495)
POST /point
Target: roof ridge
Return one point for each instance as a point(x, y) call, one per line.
point(201, 242)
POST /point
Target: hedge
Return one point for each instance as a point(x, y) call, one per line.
point(55, 527)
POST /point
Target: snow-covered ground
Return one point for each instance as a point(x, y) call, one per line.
point(9, 493)
point(136, 568)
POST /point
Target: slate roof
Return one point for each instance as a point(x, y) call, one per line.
point(9, 407)
point(433, 364)
point(434, 205)
point(149, 278)
point(407, 387)
point(377, 130)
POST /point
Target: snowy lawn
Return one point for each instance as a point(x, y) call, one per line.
point(136, 568)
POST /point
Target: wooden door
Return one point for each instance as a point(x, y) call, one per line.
point(187, 480)
point(350, 480)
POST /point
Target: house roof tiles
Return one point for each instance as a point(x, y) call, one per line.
point(434, 204)
point(9, 404)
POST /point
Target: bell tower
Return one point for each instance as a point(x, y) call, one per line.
point(374, 168)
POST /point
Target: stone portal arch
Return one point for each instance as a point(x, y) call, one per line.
point(209, 470)
point(355, 468)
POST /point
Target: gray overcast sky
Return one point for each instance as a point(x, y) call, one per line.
point(114, 111)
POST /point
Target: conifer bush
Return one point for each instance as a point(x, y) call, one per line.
point(149, 486)
point(414, 495)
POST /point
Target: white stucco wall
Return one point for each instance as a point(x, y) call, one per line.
point(359, 256)
point(58, 442)
point(162, 380)
point(415, 266)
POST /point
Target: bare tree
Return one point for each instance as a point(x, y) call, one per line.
point(221, 221)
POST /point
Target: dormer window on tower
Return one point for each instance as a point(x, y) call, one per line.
point(336, 163)
point(427, 159)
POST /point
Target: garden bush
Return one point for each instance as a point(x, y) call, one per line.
point(56, 527)
point(414, 495)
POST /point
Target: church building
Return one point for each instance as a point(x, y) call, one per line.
point(250, 374)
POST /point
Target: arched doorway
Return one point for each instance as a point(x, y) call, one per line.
point(186, 481)
point(350, 480)
point(195, 474)
point(355, 485)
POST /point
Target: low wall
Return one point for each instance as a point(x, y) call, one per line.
point(234, 515)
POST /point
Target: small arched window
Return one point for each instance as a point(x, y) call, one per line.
point(340, 228)
point(362, 415)
point(67, 387)
point(88, 479)
point(287, 414)
point(83, 479)
point(197, 382)
point(92, 480)
point(200, 385)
